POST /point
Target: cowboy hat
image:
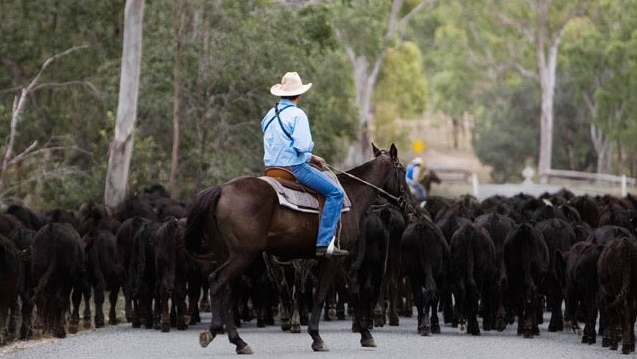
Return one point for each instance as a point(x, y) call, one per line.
point(417, 161)
point(291, 85)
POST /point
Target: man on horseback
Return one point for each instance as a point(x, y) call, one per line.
point(287, 142)
point(415, 173)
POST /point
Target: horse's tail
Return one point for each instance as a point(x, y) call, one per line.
point(201, 215)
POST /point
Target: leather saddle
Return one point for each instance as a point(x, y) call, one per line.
point(293, 194)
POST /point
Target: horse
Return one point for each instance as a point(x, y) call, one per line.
point(428, 179)
point(240, 219)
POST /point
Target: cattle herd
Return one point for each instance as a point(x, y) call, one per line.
point(502, 261)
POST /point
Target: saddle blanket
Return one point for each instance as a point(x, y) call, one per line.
point(301, 201)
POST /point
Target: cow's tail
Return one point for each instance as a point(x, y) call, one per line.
point(527, 235)
point(471, 261)
point(51, 240)
point(626, 253)
point(430, 283)
point(201, 217)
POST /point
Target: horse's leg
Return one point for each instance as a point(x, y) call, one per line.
point(326, 277)
point(221, 281)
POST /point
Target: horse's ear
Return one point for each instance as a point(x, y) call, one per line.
point(376, 150)
point(394, 152)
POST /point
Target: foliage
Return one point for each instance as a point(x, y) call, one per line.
point(506, 133)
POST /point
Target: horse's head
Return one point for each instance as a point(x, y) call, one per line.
point(396, 181)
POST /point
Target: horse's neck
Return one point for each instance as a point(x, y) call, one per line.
point(361, 195)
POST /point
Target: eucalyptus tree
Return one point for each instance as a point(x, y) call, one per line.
point(533, 32)
point(231, 53)
point(365, 30)
point(401, 92)
point(67, 112)
point(600, 57)
point(122, 146)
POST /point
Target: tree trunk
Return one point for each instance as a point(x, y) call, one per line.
point(547, 67)
point(122, 145)
point(174, 163)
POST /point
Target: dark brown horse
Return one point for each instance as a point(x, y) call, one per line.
point(241, 219)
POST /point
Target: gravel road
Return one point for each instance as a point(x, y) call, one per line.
point(123, 342)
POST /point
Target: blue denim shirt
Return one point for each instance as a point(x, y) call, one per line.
point(279, 149)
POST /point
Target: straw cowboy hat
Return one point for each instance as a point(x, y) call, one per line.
point(291, 85)
point(417, 161)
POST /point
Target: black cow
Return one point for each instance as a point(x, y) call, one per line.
point(390, 298)
point(370, 263)
point(9, 280)
point(424, 254)
point(124, 239)
point(105, 273)
point(58, 268)
point(94, 216)
point(142, 277)
point(558, 236)
point(473, 270)
point(29, 217)
point(498, 226)
point(526, 259)
point(449, 223)
point(581, 286)
point(23, 239)
point(170, 274)
point(617, 270)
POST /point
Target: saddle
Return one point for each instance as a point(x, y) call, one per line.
point(292, 194)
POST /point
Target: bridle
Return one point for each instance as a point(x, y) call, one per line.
point(400, 201)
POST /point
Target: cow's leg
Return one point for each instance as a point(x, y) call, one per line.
point(76, 299)
point(435, 321)
point(164, 297)
point(194, 292)
point(27, 313)
point(472, 306)
point(112, 299)
point(12, 325)
point(557, 319)
point(392, 296)
point(98, 299)
point(180, 305)
point(86, 318)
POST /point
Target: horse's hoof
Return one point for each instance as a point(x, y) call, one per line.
point(368, 343)
point(319, 347)
point(245, 350)
point(205, 338)
point(295, 328)
point(425, 331)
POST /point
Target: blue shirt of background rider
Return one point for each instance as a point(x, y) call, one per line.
point(279, 149)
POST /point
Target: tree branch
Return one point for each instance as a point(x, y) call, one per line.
point(18, 107)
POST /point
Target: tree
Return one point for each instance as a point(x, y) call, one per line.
point(541, 23)
point(599, 56)
point(16, 114)
point(122, 145)
point(365, 31)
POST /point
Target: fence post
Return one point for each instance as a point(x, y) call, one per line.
point(623, 186)
point(474, 184)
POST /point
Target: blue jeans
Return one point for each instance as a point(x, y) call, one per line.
point(417, 190)
point(334, 197)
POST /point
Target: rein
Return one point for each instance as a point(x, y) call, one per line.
point(399, 200)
